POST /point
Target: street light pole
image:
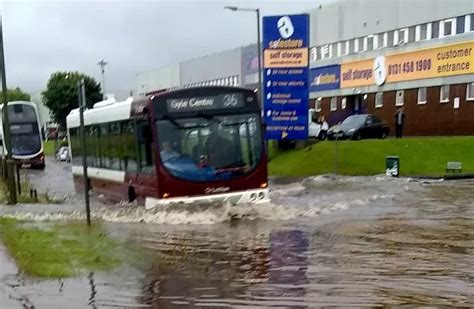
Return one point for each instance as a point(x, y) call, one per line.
point(102, 63)
point(12, 198)
point(81, 97)
point(259, 47)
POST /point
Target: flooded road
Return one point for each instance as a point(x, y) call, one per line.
point(323, 241)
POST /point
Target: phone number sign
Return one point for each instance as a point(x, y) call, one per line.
point(448, 60)
point(286, 74)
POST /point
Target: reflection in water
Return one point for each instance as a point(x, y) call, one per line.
point(387, 243)
point(93, 290)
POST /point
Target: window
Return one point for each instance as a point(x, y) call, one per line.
point(76, 150)
point(369, 43)
point(390, 38)
point(190, 141)
point(411, 34)
point(104, 145)
point(343, 103)
point(333, 50)
point(400, 36)
point(470, 91)
point(471, 19)
point(351, 46)
point(435, 30)
point(421, 32)
point(356, 45)
point(422, 95)
point(145, 149)
point(128, 155)
point(346, 49)
point(385, 40)
point(317, 105)
point(339, 49)
point(444, 94)
point(460, 24)
point(313, 54)
point(325, 51)
point(379, 99)
point(333, 104)
point(399, 98)
point(378, 40)
point(447, 27)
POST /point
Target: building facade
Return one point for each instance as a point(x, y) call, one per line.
point(367, 56)
point(235, 67)
point(383, 55)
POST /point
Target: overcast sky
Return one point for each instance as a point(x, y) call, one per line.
point(42, 37)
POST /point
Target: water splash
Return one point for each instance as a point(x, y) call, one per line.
point(309, 198)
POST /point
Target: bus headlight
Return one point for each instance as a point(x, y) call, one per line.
point(261, 196)
point(253, 197)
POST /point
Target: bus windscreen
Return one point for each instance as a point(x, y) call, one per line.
point(210, 148)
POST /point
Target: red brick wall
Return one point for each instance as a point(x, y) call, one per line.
point(432, 118)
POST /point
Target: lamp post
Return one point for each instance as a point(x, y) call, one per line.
point(102, 64)
point(12, 198)
point(259, 46)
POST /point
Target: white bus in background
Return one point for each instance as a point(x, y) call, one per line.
point(26, 134)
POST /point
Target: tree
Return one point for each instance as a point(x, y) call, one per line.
point(17, 95)
point(61, 97)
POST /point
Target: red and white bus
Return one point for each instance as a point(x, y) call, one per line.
point(184, 146)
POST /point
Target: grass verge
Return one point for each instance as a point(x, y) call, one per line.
point(48, 147)
point(58, 250)
point(421, 156)
point(24, 197)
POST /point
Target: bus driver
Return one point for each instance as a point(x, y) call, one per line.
point(167, 153)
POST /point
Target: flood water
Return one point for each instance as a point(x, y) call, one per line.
point(323, 241)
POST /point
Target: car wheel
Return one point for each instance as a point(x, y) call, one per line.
point(322, 135)
point(356, 136)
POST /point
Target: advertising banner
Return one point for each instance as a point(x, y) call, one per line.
point(449, 60)
point(286, 73)
point(325, 78)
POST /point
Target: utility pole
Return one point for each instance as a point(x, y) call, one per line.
point(81, 95)
point(102, 63)
point(6, 126)
point(260, 60)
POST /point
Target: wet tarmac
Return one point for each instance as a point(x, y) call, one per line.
point(323, 241)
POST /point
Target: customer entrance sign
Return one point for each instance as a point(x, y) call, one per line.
point(286, 74)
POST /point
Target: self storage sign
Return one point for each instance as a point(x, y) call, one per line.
point(286, 74)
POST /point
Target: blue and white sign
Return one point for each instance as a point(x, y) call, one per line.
point(325, 78)
point(286, 75)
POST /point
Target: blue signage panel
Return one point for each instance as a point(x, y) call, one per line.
point(325, 78)
point(287, 29)
point(286, 76)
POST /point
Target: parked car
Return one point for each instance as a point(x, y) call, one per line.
point(63, 154)
point(316, 129)
point(357, 127)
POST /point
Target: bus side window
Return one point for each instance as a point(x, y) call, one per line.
point(145, 149)
point(128, 156)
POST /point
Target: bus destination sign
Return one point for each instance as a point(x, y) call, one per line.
point(222, 101)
